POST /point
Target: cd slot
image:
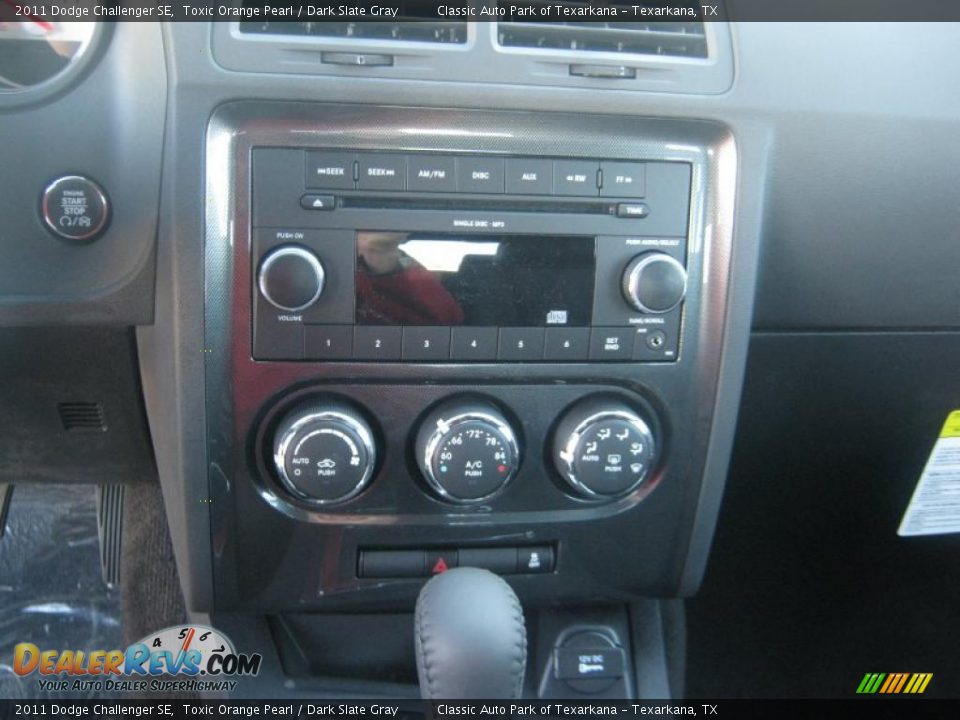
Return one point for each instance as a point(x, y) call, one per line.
point(577, 207)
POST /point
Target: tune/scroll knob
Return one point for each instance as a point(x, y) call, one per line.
point(291, 278)
point(603, 448)
point(467, 451)
point(654, 282)
point(324, 452)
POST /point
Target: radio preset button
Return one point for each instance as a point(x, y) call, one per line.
point(480, 175)
point(431, 173)
point(566, 344)
point(328, 342)
point(426, 343)
point(575, 177)
point(332, 170)
point(382, 171)
point(376, 343)
point(529, 176)
point(623, 179)
point(473, 343)
point(519, 344)
point(611, 343)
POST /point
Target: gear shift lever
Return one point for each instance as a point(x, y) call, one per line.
point(470, 637)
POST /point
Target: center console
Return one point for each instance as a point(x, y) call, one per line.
point(439, 338)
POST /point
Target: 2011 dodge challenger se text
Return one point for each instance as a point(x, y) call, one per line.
point(517, 358)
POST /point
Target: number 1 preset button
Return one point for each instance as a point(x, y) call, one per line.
point(376, 343)
point(328, 342)
point(473, 343)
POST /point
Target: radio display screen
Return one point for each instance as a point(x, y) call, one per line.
point(406, 278)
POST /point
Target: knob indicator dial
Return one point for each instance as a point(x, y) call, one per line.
point(603, 448)
point(324, 453)
point(291, 278)
point(654, 282)
point(467, 451)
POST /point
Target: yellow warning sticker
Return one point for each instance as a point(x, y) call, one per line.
point(934, 508)
point(951, 428)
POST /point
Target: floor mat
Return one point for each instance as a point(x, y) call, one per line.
point(51, 590)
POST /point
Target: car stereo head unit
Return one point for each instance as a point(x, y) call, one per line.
point(371, 256)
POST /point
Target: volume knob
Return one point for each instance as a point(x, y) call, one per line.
point(654, 282)
point(291, 278)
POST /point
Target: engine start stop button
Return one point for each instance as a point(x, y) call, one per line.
point(75, 208)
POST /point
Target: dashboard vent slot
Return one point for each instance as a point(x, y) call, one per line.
point(667, 39)
point(82, 416)
point(415, 22)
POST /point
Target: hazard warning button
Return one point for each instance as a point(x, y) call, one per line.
point(439, 561)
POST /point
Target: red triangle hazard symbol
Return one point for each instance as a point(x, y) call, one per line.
point(440, 566)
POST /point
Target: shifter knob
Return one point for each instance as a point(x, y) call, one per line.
point(471, 641)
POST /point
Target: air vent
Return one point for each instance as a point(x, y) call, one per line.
point(82, 416)
point(668, 39)
point(415, 22)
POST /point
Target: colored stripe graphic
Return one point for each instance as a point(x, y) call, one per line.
point(894, 683)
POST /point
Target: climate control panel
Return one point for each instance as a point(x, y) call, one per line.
point(469, 448)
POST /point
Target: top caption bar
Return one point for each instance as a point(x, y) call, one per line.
point(655, 11)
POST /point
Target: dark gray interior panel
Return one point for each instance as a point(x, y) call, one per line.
point(72, 407)
point(109, 127)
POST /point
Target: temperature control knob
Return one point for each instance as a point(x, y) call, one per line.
point(603, 448)
point(654, 282)
point(324, 453)
point(291, 278)
point(467, 451)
